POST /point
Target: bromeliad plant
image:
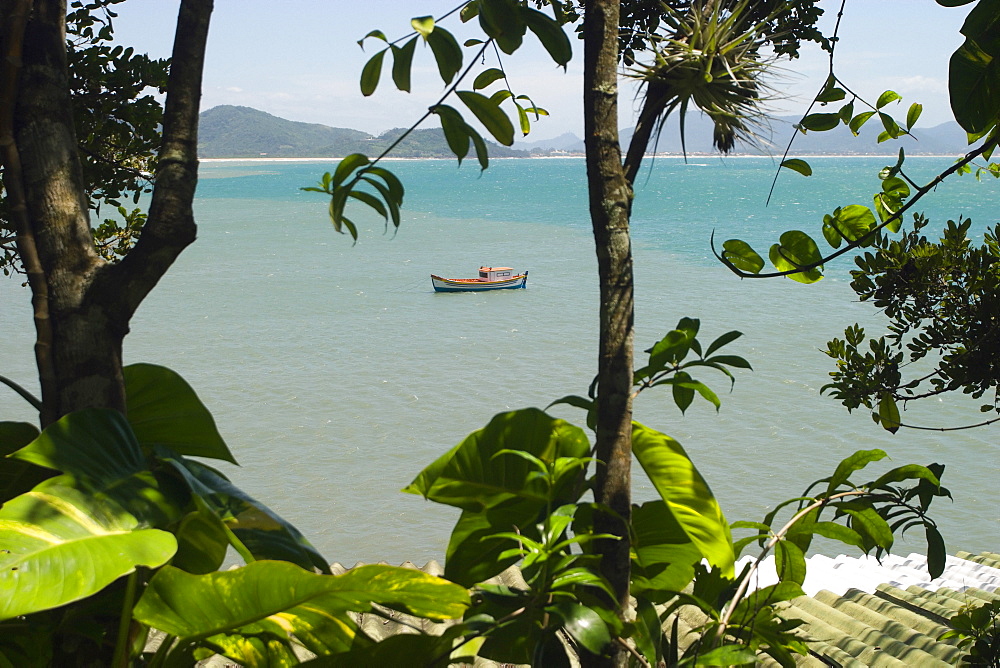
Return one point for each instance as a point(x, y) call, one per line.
point(110, 528)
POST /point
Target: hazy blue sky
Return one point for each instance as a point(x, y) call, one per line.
point(299, 59)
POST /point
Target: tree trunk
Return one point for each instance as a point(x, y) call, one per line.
point(610, 205)
point(83, 304)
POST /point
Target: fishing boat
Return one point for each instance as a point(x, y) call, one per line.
point(490, 278)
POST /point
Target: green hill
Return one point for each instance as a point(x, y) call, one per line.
point(242, 132)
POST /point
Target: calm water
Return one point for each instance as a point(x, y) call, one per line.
point(336, 373)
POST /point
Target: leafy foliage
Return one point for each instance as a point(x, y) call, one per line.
point(942, 300)
point(978, 627)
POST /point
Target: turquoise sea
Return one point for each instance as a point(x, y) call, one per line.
point(336, 373)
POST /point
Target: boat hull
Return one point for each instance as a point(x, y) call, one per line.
point(475, 285)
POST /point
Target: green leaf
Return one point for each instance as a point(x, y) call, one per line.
point(831, 92)
point(912, 114)
point(790, 562)
point(584, 625)
point(859, 120)
point(201, 543)
point(682, 391)
point(906, 472)
point(937, 553)
point(424, 25)
point(885, 98)
point(727, 655)
point(164, 410)
point(490, 115)
point(685, 493)
point(972, 77)
point(278, 598)
point(796, 250)
point(61, 545)
point(835, 531)
point(486, 77)
point(888, 413)
point(17, 477)
point(820, 122)
point(447, 53)
point(501, 20)
point(873, 529)
point(402, 63)
point(347, 166)
point(849, 465)
point(482, 154)
point(796, 165)
point(550, 34)
point(723, 340)
point(469, 476)
point(263, 533)
point(663, 554)
point(742, 256)
point(456, 131)
point(371, 73)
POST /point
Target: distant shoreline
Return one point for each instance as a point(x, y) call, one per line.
point(581, 156)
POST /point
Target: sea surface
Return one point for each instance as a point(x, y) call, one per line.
point(336, 374)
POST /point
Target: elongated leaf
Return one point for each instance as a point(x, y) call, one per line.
point(790, 562)
point(456, 131)
point(347, 166)
point(447, 53)
point(797, 165)
point(280, 598)
point(874, 530)
point(61, 545)
point(584, 625)
point(486, 77)
point(839, 532)
point(664, 555)
point(937, 554)
point(402, 63)
point(727, 655)
point(394, 184)
point(550, 34)
point(887, 97)
point(371, 73)
point(912, 114)
point(490, 115)
point(849, 465)
point(888, 413)
point(820, 122)
point(906, 472)
point(859, 120)
point(723, 340)
point(164, 410)
point(685, 493)
point(482, 154)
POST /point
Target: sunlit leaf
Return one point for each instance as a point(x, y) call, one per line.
point(424, 25)
point(912, 114)
point(796, 165)
point(742, 256)
point(887, 97)
point(849, 465)
point(486, 77)
point(795, 251)
point(888, 413)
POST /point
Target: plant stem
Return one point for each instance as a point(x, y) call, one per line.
point(122, 643)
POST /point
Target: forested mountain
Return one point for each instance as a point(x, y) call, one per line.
point(242, 132)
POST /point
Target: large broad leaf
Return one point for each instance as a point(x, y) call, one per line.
point(16, 476)
point(663, 554)
point(98, 453)
point(686, 494)
point(472, 477)
point(795, 251)
point(61, 545)
point(164, 410)
point(254, 526)
point(274, 597)
point(974, 70)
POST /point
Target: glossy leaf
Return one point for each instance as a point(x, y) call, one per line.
point(873, 529)
point(797, 165)
point(888, 413)
point(490, 115)
point(795, 251)
point(61, 545)
point(727, 655)
point(742, 256)
point(402, 63)
point(164, 410)
point(886, 98)
point(263, 533)
point(583, 625)
point(279, 598)
point(912, 114)
point(471, 476)
point(820, 122)
point(975, 97)
point(859, 120)
point(486, 77)
point(685, 493)
point(664, 555)
point(550, 34)
point(371, 73)
point(201, 543)
point(789, 562)
point(849, 465)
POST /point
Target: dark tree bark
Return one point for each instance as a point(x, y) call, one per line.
point(610, 206)
point(83, 304)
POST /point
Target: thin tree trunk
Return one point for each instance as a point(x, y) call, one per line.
point(89, 302)
point(610, 204)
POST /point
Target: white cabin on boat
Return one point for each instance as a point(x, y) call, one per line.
point(495, 273)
